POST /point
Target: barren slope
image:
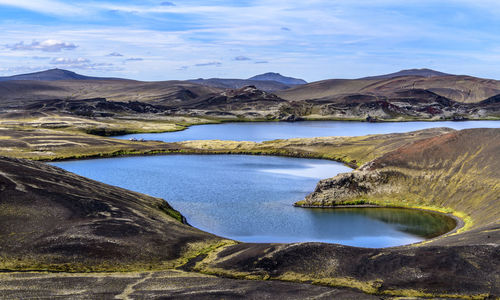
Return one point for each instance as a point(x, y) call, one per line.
point(53, 219)
point(459, 170)
point(15, 93)
point(464, 89)
point(223, 83)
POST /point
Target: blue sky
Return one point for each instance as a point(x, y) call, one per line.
point(313, 40)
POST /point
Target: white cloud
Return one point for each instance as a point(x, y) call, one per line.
point(47, 46)
point(327, 38)
point(207, 64)
point(82, 63)
point(134, 59)
point(21, 69)
point(69, 61)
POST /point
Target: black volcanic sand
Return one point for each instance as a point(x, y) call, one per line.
point(54, 220)
point(161, 284)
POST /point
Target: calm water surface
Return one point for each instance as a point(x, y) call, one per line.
point(262, 131)
point(249, 198)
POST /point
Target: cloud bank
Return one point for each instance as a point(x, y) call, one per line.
point(47, 46)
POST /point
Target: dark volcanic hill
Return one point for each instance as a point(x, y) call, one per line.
point(278, 78)
point(408, 94)
point(52, 217)
point(247, 102)
point(410, 72)
point(222, 83)
point(459, 88)
point(52, 75)
point(268, 82)
point(20, 93)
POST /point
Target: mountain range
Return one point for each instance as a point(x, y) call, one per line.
point(408, 94)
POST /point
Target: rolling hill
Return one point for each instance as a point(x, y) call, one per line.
point(53, 75)
point(270, 76)
point(223, 83)
point(410, 72)
point(268, 82)
point(459, 88)
point(20, 93)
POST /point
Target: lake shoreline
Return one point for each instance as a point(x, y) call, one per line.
point(263, 199)
point(216, 121)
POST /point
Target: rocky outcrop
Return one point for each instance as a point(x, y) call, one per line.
point(349, 188)
point(222, 83)
point(238, 99)
point(98, 107)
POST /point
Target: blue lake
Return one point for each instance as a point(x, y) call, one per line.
point(249, 198)
point(262, 131)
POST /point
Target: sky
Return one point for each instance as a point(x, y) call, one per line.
point(311, 39)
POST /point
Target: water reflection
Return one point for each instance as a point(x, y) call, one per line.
point(420, 223)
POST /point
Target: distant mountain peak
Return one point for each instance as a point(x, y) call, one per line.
point(271, 76)
point(423, 72)
point(51, 75)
